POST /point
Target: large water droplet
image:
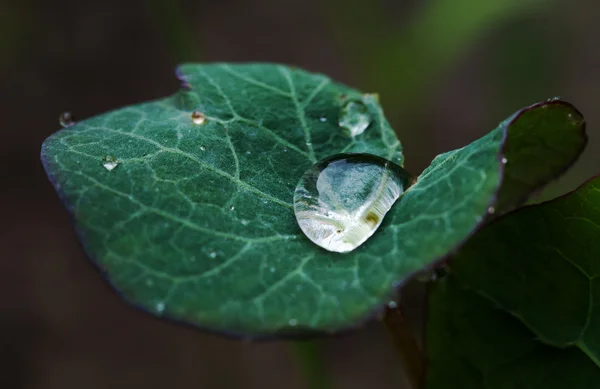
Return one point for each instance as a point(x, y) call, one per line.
point(341, 201)
point(355, 118)
point(110, 162)
point(66, 119)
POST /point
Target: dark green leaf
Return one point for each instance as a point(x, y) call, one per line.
point(195, 222)
point(519, 308)
point(542, 144)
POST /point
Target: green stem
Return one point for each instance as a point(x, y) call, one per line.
point(311, 360)
point(403, 63)
point(407, 347)
point(179, 34)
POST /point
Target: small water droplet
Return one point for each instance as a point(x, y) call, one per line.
point(555, 98)
point(231, 208)
point(149, 282)
point(160, 307)
point(272, 270)
point(293, 322)
point(392, 304)
point(248, 152)
point(354, 118)
point(491, 210)
point(285, 150)
point(202, 148)
point(110, 162)
point(244, 222)
point(212, 254)
point(374, 96)
point(323, 119)
point(504, 160)
point(66, 119)
point(341, 201)
point(198, 117)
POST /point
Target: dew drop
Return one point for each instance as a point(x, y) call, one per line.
point(110, 162)
point(323, 119)
point(245, 222)
point(272, 270)
point(198, 117)
point(491, 210)
point(374, 96)
point(160, 307)
point(504, 161)
point(202, 148)
point(354, 118)
point(341, 201)
point(392, 304)
point(212, 254)
point(231, 208)
point(66, 119)
point(293, 322)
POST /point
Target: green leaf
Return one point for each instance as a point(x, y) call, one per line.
point(519, 308)
point(195, 222)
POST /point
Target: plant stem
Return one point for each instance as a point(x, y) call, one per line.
point(409, 352)
point(312, 364)
point(177, 31)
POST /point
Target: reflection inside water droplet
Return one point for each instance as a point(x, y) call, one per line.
point(66, 119)
point(110, 162)
point(354, 118)
point(341, 201)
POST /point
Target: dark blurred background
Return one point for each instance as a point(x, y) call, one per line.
point(447, 72)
